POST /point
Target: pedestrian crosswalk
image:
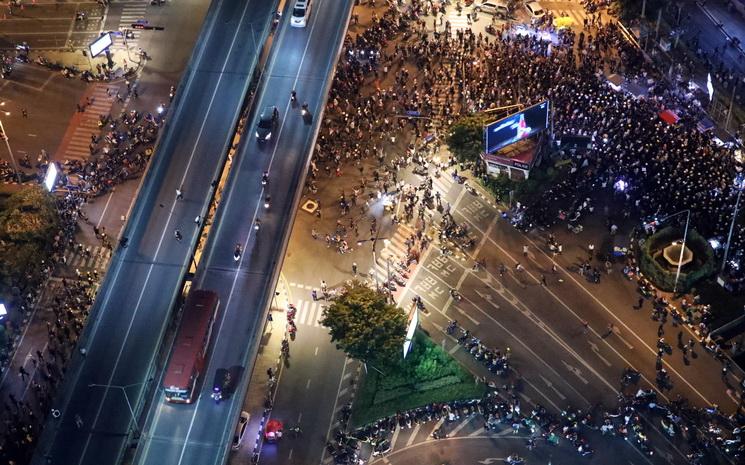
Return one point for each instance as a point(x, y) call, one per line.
point(76, 143)
point(458, 21)
point(97, 259)
point(132, 12)
point(309, 312)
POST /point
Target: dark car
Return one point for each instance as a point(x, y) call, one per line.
point(267, 123)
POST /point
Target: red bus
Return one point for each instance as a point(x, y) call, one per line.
point(191, 346)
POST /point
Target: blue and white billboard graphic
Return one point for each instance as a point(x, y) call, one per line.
point(515, 127)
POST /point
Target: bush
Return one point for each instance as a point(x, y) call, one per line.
point(703, 256)
point(427, 375)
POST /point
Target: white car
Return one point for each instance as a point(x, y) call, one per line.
point(493, 7)
point(300, 13)
point(535, 11)
point(240, 430)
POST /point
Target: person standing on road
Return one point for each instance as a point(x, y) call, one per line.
point(610, 330)
point(354, 268)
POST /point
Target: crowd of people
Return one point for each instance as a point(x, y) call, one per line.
point(41, 373)
point(664, 167)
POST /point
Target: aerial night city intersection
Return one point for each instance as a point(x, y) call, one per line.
point(391, 232)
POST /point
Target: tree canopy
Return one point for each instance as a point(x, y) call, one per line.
point(466, 137)
point(364, 325)
point(28, 222)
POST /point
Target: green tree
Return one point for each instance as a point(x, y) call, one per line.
point(466, 137)
point(364, 325)
point(28, 222)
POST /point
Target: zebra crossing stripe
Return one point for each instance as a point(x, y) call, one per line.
point(302, 310)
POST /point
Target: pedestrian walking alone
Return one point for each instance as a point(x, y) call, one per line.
point(354, 268)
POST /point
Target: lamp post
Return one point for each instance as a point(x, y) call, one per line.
point(126, 398)
point(682, 249)
point(374, 241)
point(7, 144)
point(740, 186)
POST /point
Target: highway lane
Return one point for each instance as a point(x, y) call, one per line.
point(302, 59)
point(134, 304)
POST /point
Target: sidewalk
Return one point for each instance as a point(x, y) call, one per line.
point(261, 390)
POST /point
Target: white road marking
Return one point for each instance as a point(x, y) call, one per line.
point(412, 437)
point(551, 386)
point(459, 427)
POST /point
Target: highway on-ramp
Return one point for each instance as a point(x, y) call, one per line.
point(114, 364)
point(303, 59)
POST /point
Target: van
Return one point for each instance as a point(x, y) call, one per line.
point(493, 7)
point(240, 431)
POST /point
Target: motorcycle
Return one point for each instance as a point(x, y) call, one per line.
point(237, 253)
point(257, 224)
point(265, 178)
point(267, 201)
point(455, 295)
point(514, 459)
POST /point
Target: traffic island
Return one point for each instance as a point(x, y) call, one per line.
point(660, 254)
point(427, 375)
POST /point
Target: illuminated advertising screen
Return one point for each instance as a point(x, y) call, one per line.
point(413, 324)
point(99, 45)
point(516, 127)
point(50, 178)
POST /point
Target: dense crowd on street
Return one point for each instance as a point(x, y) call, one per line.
point(394, 66)
point(664, 168)
point(42, 372)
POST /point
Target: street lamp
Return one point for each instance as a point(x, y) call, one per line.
point(7, 144)
point(126, 398)
point(740, 183)
point(374, 240)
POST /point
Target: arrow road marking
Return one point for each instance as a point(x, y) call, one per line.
point(596, 349)
point(491, 460)
point(577, 372)
point(551, 386)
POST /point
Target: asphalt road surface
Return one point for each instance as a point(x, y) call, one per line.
point(134, 305)
point(302, 59)
point(559, 363)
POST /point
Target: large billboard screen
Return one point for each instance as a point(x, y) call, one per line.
point(100, 45)
point(515, 127)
